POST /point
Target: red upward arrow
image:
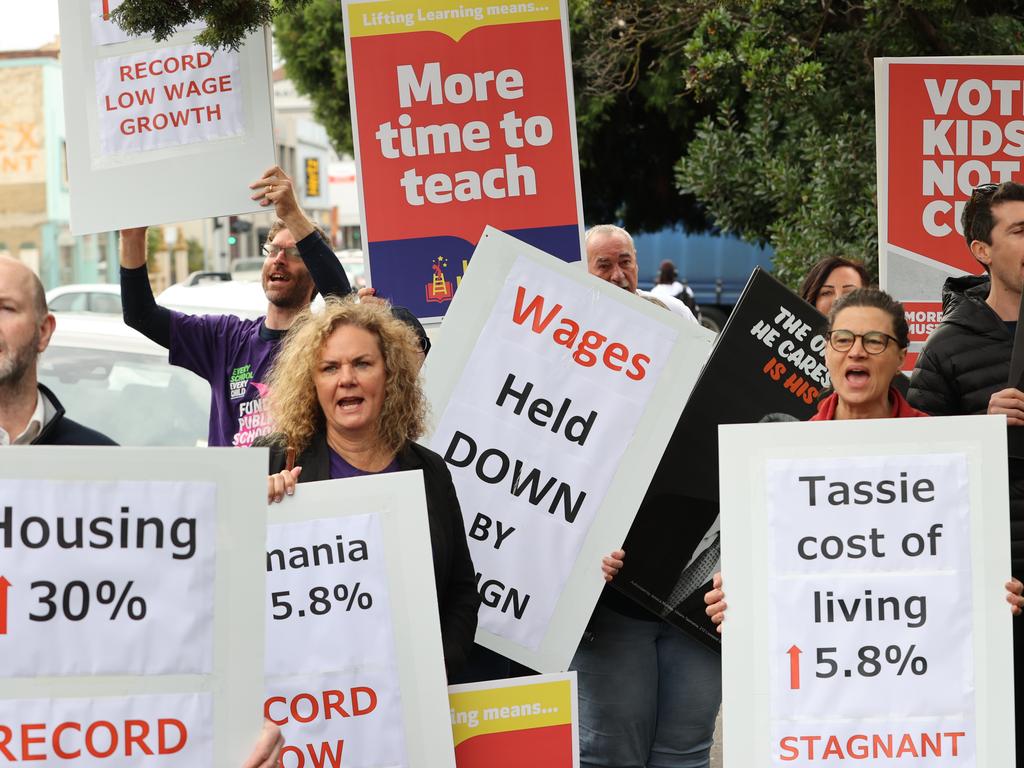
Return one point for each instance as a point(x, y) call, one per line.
point(794, 667)
point(4, 584)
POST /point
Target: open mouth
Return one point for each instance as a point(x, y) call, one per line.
point(350, 403)
point(278, 277)
point(857, 376)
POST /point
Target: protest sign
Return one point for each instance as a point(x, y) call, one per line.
point(131, 619)
point(556, 394)
point(187, 125)
point(354, 668)
point(522, 721)
point(461, 117)
point(944, 127)
point(864, 564)
point(769, 359)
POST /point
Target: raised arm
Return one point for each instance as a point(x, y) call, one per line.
point(138, 307)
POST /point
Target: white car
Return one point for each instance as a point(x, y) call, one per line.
point(215, 297)
point(227, 297)
point(104, 298)
point(113, 379)
point(248, 269)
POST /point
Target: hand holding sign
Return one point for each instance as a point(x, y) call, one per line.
point(275, 187)
point(267, 751)
point(612, 564)
point(715, 601)
point(282, 484)
point(1014, 590)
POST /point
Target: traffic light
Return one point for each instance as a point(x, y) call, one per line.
point(236, 226)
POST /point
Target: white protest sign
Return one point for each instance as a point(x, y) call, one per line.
point(354, 667)
point(185, 95)
point(558, 393)
point(188, 125)
point(130, 605)
point(864, 565)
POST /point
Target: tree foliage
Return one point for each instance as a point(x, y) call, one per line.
point(227, 21)
point(786, 153)
point(312, 41)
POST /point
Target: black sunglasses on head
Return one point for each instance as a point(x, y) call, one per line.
point(983, 190)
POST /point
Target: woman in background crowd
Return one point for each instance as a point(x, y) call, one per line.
point(347, 399)
point(668, 284)
point(830, 279)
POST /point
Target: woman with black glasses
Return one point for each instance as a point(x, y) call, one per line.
point(867, 339)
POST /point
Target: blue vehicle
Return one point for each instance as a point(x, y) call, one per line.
point(715, 267)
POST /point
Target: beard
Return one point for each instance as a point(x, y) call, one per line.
point(15, 363)
point(295, 296)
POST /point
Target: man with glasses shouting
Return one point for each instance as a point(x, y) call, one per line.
point(233, 354)
point(964, 367)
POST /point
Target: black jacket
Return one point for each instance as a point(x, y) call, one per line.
point(965, 360)
point(454, 575)
point(61, 430)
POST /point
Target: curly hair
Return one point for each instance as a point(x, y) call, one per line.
point(293, 400)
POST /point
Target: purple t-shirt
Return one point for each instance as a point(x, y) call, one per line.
point(341, 469)
point(234, 355)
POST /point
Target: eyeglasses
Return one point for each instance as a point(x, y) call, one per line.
point(874, 342)
point(271, 251)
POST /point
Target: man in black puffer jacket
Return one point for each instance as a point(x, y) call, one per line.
point(964, 367)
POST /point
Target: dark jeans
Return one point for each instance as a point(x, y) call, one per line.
point(648, 693)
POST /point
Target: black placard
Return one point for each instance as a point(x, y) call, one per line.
point(769, 359)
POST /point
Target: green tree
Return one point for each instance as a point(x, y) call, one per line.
point(196, 255)
point(312, 41)
point(227, 21)
point(787, 153)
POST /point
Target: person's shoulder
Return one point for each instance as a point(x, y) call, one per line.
point(953, 337)
point(278, 453)
point(425, 455)
point(674, 305)
point(66, 431)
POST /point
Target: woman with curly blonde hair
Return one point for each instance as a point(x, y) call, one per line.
point(345, 397)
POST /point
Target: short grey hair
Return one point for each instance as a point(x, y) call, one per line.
point(608, 230)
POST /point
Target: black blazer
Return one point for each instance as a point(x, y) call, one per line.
point(454, 575)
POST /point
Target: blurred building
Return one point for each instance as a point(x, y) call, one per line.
point(34, 200)
point(345, 217)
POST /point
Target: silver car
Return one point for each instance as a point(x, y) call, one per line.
point(113, 379)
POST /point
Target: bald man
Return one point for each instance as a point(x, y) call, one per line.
point(30, 414)
point(611, 256)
